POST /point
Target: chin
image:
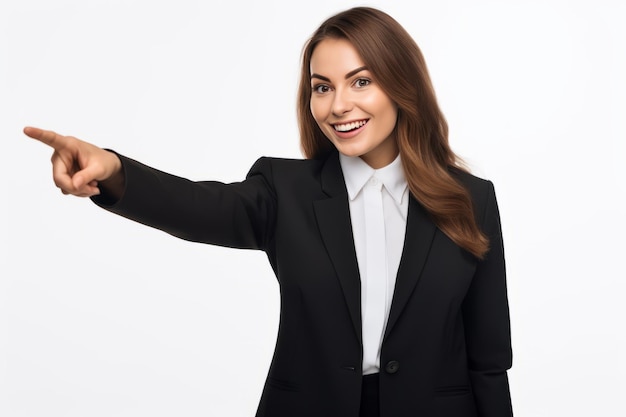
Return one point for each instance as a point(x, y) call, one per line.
point(350, 151)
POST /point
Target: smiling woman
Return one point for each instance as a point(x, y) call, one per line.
point(388, 254)
point(349, 106)
point(380, 44)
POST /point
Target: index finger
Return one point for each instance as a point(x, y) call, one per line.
point(48, 137)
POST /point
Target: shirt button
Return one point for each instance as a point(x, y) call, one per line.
point(392, 367)
point(373, 181)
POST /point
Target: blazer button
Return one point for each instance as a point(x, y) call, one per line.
point(392, 367)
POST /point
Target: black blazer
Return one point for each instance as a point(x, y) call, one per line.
point(446, 348)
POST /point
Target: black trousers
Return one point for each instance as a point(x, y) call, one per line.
point(369, 397)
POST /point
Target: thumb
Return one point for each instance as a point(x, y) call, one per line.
point(85, 180)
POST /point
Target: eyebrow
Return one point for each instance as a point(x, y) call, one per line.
point(348, 75)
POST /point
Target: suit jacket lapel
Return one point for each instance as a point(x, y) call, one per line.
point(333, 219)
point(420, 231)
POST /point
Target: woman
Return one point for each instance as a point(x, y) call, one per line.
point(388, 253)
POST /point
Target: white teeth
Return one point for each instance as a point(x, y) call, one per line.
point(349, 126)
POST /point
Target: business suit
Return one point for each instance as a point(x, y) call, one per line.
point(446, 346)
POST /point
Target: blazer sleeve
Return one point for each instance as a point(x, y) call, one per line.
point(486, 321)
point(238, 215)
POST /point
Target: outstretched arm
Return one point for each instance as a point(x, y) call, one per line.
point(80, 168)
point(236, 215)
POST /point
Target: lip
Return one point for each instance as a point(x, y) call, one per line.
point(352, 133)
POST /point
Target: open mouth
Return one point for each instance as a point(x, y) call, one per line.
point(348, 127)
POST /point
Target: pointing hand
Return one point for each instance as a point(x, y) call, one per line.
point(78, 167)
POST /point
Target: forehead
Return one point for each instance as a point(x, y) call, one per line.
point(335, 57)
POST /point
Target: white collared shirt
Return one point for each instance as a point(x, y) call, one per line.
point(358, 174)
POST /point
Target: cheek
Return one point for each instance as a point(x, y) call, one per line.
point(393, 115)
point(388, 112)
point(318, 111)
point(379, 104)
point(313, 107)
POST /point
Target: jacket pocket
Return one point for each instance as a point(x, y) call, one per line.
point(282, 384)
point(452, 390)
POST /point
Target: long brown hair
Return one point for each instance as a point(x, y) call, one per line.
point(398, 66)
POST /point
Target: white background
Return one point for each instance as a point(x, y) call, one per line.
point(104, 317)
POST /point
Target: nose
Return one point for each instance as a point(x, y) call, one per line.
point(342, 103)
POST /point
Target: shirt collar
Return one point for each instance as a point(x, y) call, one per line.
point(356, 173)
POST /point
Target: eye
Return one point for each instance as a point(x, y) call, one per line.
point(321, 88)
point(362, 82)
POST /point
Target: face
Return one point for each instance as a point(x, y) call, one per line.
point(350, 108)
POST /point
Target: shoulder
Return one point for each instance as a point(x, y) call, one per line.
point(481, 190)
point(474, 185)
point(289, 163)
point(281, 167)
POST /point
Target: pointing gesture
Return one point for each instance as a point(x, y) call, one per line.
point(80, 168)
